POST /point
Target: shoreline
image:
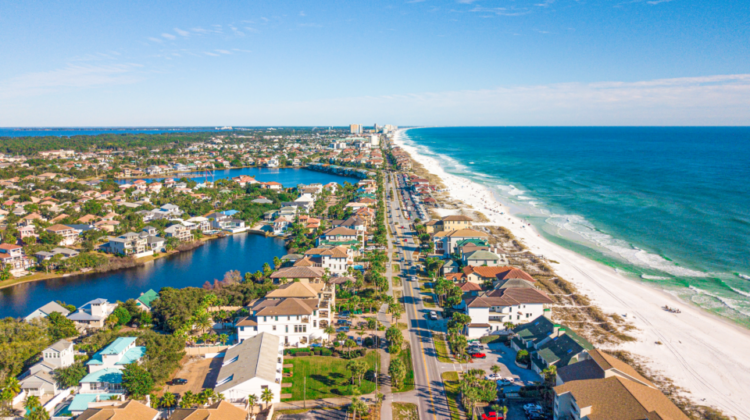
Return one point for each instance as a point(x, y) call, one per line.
point(701, 352)
point(137, 263)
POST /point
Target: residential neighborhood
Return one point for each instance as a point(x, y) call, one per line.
point(387, 300)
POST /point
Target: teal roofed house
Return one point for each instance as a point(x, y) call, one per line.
point(105, 367)
point(145, 300)
point(531, 334)
point(81, 402)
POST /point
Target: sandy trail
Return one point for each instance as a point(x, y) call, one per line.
point(704, 354)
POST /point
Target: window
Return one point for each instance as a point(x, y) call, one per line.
point(286, 327)
point(225, 380)
point(297, 317)
point(242, 328)
point(232, 360)
point(277, 318)
point(288, 317)
point(274, 328)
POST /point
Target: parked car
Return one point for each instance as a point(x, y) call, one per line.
point(478, 355)
point(504, 382)
point(177, 381)
point(493, 377)
point(342, 329)
point(344, 315)
point(359, 341)
point(433, 315)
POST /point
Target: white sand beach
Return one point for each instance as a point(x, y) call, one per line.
point(706, 355)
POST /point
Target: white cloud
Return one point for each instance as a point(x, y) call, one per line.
point(211, 54)
point(711, 100)
point(70, 76)
point(157, 40)
point(168, 36)
point(302, 13)
point(223, 51)
point(182, 32)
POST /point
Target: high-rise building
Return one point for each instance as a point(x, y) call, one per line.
point(355, 129)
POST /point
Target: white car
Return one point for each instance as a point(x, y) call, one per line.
point(433, 315)
point(493, 377)
point(504, 382)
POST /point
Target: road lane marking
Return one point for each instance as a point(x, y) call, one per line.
point(424, 359)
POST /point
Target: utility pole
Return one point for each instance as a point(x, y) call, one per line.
point(304, 391)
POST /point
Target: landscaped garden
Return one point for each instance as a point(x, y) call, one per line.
point(328, 377)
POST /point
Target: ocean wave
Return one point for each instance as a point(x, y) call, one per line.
point(584, 229)
point(740, 291)
point(729, 303)
point(647, 277)
point(743, 276)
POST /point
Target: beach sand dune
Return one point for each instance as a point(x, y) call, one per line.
point(702, 353)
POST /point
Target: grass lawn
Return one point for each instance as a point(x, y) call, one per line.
point(402, 326)
point(450, 382)
point(405, 411)
point(396, 268)
point(396, 281)
point(441, 347)
point(408, 384)
point(327, 377)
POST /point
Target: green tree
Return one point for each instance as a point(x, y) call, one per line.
point(357, 407)
point(167, 401)
point(137, 381)
point(70, 376)
point(267, 396)
point(122, 315)
point(10, 389)
point(34, 409)
point(397, 371)
point(252, 399)
point(60, 327)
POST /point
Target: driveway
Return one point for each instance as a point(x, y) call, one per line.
point(200, 374)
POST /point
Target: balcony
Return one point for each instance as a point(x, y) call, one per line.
point(305, 320)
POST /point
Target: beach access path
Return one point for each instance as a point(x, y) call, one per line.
point(702, 353)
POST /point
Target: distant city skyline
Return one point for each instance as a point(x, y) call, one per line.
point(417, 63)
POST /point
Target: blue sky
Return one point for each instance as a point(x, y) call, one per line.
point(431, 62)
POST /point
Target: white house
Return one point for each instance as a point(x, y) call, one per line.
point(490, 311)
point(251, 367)
point(47, 309)
point(39, 380)
point(297, 312)
point(337, 259)
point(93, 314)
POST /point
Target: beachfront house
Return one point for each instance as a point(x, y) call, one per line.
point(181, 232)
point(446, 242)
point(490, 311)
point(251, 367)
point(338, 236)
point(614, 397)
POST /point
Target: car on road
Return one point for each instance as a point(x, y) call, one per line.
point(178, 381)
point(493, 377)
point(478, 355)
point(433, 315)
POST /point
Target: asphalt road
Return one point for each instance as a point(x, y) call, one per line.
point(429, 388)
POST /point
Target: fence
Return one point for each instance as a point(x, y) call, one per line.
point(202, 351)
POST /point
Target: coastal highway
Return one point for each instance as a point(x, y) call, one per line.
point(429, 388)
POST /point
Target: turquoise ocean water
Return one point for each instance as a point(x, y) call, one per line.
point(666, 205)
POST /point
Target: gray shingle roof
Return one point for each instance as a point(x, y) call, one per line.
point(256, 357)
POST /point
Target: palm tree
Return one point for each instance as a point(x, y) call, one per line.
point(252, 399)
point(496, 369)
point(203, 321)
point(329, 330)
point(11, 389)
point(167, 401)
point(187, 400)
point(267, 396)
point(349, 344)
